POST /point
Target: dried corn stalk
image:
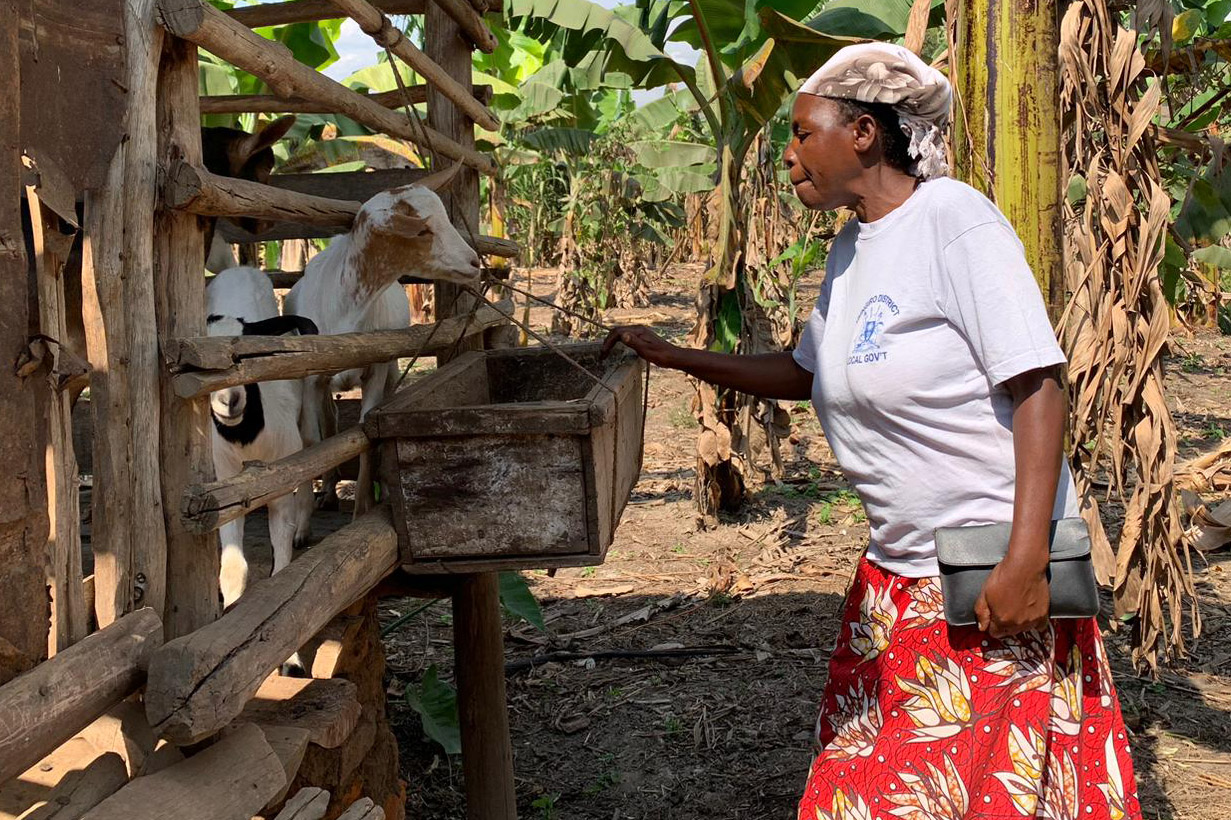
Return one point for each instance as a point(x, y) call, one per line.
point(1117, 322)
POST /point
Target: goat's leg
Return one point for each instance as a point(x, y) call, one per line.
point(282, 528)
point(375, 379)
point(304, 505)
point(329, 424)
point(234, 575)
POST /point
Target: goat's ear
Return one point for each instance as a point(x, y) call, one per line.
point(281, 325)
point(265, 138)
point(407, 225)
point(440, 180)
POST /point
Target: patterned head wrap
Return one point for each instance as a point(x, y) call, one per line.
point(894, 75)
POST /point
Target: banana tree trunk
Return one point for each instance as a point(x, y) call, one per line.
point(1006, 130)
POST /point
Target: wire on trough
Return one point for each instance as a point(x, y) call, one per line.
point(552, 347)
point(560, 308)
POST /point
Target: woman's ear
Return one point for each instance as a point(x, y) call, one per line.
point(866, 132)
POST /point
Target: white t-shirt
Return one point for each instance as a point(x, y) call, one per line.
point(922, 317)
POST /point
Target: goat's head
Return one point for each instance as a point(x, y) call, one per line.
point(406, 231)
point(230, 152)
point(237, 411)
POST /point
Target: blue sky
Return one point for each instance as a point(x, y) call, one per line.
point(356, 50)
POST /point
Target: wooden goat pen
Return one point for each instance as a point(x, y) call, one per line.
point(140, 645)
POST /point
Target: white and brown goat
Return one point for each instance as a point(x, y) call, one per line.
point(353, 286)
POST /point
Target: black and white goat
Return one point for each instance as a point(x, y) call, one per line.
point(353, 286)
point(255, 422)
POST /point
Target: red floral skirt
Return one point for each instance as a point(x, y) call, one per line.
point(925, 721)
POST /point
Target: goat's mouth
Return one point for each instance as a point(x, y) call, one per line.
point(229, 419)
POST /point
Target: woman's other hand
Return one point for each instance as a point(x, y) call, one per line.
point(1014, 599)
point(644, 342)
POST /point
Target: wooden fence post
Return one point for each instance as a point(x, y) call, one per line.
point(146, 528)
point(192, 560)
point(479, 637)
point(23, 633)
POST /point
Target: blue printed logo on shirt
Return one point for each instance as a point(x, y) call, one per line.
point(869, 328)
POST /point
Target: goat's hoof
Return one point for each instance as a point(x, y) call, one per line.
point(301, 542)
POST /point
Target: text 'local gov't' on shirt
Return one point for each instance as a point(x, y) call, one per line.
point(923, 315)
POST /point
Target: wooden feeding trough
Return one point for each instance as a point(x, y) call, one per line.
point(512, 459)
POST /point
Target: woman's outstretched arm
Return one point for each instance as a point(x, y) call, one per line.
point(769, 375)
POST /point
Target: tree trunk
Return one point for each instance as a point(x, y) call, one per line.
point(1006, 125)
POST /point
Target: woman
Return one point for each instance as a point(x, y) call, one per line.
point(936, 375)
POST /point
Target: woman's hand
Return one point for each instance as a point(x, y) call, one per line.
point(1014, 599)
point(644, 342)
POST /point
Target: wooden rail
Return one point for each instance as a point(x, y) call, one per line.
point(377, 26)
point(207, 507)
point(272, 104)
point(199, 22)
point(58, 698)
point(305, 11)
point(470, 22)
point(239, 360)
point(192, 188)
point(201, 682)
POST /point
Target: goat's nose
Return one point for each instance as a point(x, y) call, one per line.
point(233, 400)
point(476, 264)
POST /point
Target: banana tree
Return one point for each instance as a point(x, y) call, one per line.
point(753, 54)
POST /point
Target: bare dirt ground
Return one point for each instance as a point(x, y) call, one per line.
point(726, 733)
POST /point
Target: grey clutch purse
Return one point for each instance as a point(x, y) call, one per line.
point(967, 556)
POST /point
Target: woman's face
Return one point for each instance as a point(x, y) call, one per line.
point(825, 153)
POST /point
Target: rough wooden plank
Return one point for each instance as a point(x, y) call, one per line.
point(524, 418)
point(462, 383)
point(110, 402)
point(614, 463)
point(376, 25)
point(335, 767)
point(200, 682)
point(49, 704)
point(249, 359)
point(65, 784)
point(231, 780)
point(146, 525)
point(23, 604)
point(478, 650)
point(307, 804)
point(72, 84)
point(192, 188)
point(363, 809)
point(51, 249)
point(289, 744)
point(200, 22)
point(326, 709)
point(271, 104)
point(456, 492)
point(461, 567)
point(206, 507)
point(185, 429)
